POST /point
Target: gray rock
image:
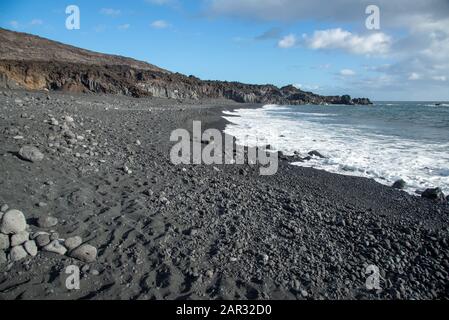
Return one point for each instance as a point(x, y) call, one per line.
point(434, 194)
point(85, 253)
point(42, 240)
point(56, 247)
point(13, 222)
point(31, 247)
point(54, 236)
point(4, 241)
point(73, 242)
point(19, 238)
point(31, 153)
point(4, 208)
point(47, 221)
point(3, 258)
point(399, 184)
point(17, 253)
point(316, 154)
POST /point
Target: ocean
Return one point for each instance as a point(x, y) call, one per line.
point(386, 141)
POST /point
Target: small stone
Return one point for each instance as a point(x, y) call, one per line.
point(17, 253)
point(68, 119)
point(264, 258)
point(19, 238)
point(42, 240)
point(13, 222)
point(31, 247)
point(56, 247)
point(4, 241)
point(47, 222)
point(4, 208)
point(31, 153)
point(209, 273)
point(85, 253)
point(138, 142)
point(3, 258)
point(54, 236)
point(73, 242)
point(94, 272)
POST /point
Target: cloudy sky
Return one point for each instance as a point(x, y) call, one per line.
point(321, 46)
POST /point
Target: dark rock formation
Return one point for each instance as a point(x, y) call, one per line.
point(399, 184)
point(39, 64)
point(434, 194)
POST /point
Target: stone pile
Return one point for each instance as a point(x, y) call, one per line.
point(17, 241)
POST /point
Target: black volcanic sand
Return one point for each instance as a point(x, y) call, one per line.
point(199, 232)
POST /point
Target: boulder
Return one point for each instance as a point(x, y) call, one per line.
point(4, 241)
point(19, 238)
point(3, 258)
point(31, 153)
point(31, 247)
point(434, 194)
point(85, 253)
point(73, 242)
point(42, 240)
point(13, 222)
point(17, 253)
point(56, 247)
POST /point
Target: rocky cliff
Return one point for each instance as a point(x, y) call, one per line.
point(35, 63)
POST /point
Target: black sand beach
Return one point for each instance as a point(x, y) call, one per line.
point(197, 231)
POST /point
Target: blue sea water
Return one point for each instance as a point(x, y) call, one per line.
point(386, 141)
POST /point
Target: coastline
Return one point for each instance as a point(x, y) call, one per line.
point(201, 233)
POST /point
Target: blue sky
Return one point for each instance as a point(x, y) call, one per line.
point(317, 45)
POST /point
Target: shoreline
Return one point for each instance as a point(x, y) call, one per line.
point(199, 232)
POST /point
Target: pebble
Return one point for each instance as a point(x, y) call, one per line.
point(73, 242)
point(17, 253)
point(31, 247)
point(85, 253)
point(4, 241)
point(19, 238)
point(56, 247)
point(13, 222)
point(4, 208)
point(47, 221)
point(31, 153)
point(54, 236)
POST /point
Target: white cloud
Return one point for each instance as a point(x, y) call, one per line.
point(287, 41)
point(160, 24)
point(14, 24)
point(414, 76)
point(312, 87)
point(347, 72)
point(125, 26)
point(110, 12)
point(36, 22)
point(439, 78)
point(376, 43)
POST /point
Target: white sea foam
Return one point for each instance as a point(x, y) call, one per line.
point(348, 150)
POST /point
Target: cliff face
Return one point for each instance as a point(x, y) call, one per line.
point(34, 63)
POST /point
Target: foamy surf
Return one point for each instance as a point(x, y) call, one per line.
point(378, 148)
